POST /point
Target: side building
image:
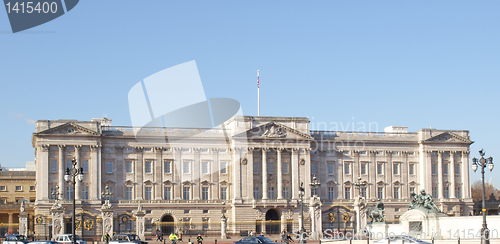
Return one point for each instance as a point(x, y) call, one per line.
point(249, 170)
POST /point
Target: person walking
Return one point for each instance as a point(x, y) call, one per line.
point(199, 239)
point(173, 237)
point(106, 238)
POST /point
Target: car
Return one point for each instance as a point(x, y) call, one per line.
point(15, 239)
point(254, 240)
point(400, 239)
point(67, 238)
point(126, 239)
point(43, 242)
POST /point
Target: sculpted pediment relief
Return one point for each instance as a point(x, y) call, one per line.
point(273, 131)
point(448, 137)
point(69, 129)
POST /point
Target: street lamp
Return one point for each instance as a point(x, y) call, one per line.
point(360, 185)
point(302, 192)
point(107, 195)
point(483, 162)
point(314, 185)
point(71, 176)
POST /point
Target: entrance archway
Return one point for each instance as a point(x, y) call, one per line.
point(273, 222)
point(167, 224)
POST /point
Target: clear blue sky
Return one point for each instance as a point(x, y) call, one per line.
point(414, 63)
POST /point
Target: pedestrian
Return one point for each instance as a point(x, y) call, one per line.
point(199, 239)
point(107, 237)
point(173, 237)
point(159, 235)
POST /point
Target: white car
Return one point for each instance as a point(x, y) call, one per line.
point(400, 239)
point(15, 239)
point(126, 239)
point(67, 239)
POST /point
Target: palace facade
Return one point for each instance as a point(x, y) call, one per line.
point(249, 169)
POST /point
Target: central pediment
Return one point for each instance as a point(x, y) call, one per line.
point(448, 137)
point(274, 131)
point(69, 129)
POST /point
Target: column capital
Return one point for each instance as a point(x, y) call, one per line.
point(45, 147)
point(119, 148)
point(295, 150)
point(140, 149)
point(61, 146)
point(465, 153)
point(251, 149)
point(95, 147)
point(264, 149)
point(78, 146)
point(160, 149)
point(196, 149)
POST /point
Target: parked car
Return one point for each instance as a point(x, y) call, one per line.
point(254, 240)
point(399, 239)
point(43, 242)
point(126, 239)
point(15, 239)
point(67, 239)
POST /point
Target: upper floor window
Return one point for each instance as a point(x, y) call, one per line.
point(445, 169)
point(270, 168)
point(347, 193)
point(285, 168)
point(148, 168)
point(53, 165)
point(330, 168)
point(412, 169)
point(363, 168)
point(255, 168)
point(223, 166)
point(204, 167)
point(128, 167)
point(362, 153)
point(32, 188)
point(3, 188)
point(223, 193)
point(380, 168)
point(167, 167)
point(347, 168)
point(148, 149)
point(395, 167)
point(19, 188)
point(109, 167)
point(457, 169)
point(313, 169)
point(186, 167)
point(434, 169)
point(85, 166)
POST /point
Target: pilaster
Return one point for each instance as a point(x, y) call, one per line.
point(279, 173)
point(440, 174)
point(264, 173)
point(451, 175)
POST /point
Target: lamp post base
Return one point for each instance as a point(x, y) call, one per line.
point(485, 239)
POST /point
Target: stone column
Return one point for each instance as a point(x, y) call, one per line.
point(177, 173)
point(279, 174)
point(440, 174)
point(138, 176)
point(295, 174)
point(78, 185)
point(95, 173)
point(158, 173)
point(62, 168)
point(43, 171)
point(237, 174)
point(139, 224)
point(11, 223)
point(23, 223)
point(107, 221)
point(451, 175)
point(315, 216)
point(223, 227)
point(250, 182)
point(57, 222)
point(214, 175)
point(465, 175)
point(264, 173)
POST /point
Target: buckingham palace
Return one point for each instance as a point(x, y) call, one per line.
point(248, 170)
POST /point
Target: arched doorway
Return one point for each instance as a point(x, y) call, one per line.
point(167, 224)
point(273, 222)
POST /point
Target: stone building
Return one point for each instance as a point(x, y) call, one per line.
point(185, 178)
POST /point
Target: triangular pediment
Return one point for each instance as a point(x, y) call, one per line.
point(448, 137)
point(274, 131)
point(69, 129)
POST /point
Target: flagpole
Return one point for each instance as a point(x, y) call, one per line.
point(258, 94)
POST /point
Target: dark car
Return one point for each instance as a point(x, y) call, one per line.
point(254, 240)
point(15, 239)
point(126, 239)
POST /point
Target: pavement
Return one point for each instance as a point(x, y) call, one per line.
point(230, 240)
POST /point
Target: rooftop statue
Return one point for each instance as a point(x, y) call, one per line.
point(424, 202)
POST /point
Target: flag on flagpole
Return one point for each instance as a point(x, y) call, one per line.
point(258, 83)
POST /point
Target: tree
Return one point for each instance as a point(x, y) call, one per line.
point(477, 191)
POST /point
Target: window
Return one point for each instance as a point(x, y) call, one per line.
point(32, 188)
point(434, 169)
point(446, 192)
point(286, 192)
point(458, 192)
point(128, 149)
point(223, 166)
point(148, 149)
point(205, 211)
point(396, 192)
point(223, 193)
point(330, 168)
point(363, 192)
point(166, 167)
point(3, 188)
point(331, 193)
point(285, 168)
point(167, 193)
point(457, 169)
point(19, 188)
point(148, 168)
point(362, 153)
point(395, 167)
point(186, 211)
point(185, 167)
point(412, 169)
point(363, 168)
point(395, 153)
point(205, 225)
point(69, 164)
point(380, 168)
point(380, 192)
point(109, 149)
point(270, 192)
point(445, 169)
point(347, 168)
point(412, 189)
point(270, 167)
point(186, 194)
point(256, 194)
point(68, 194)
point(204, 167)
point(204, 193)
point(128, 193)
point(313, 169)
point(3, 201)
point(434, 192)
point(148, 190)
point(85, 193)
point(347, 193)
point(109, 167)
point(255, 168)
point(128, 167)
point(53, 165)
point(85, 166)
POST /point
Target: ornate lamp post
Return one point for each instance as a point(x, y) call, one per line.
point(302, 192)
point(357, 202)
point(314, 185)
point(483, 162)
point(71, 176)
point(106, 194)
